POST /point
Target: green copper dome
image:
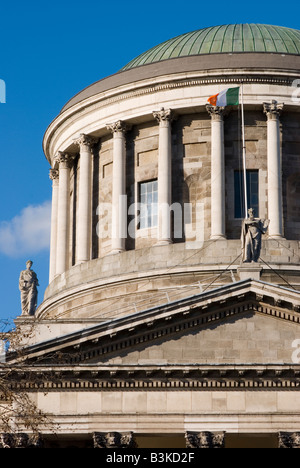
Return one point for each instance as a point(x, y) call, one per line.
point(230, 38)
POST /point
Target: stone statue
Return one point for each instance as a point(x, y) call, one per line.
point(28, 284)
point(252, 230)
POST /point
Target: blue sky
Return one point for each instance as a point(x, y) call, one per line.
point(49, 52)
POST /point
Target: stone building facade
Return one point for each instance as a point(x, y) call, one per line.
point(151, 333)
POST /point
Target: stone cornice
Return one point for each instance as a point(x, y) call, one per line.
point(163, 83)
point(168, 377)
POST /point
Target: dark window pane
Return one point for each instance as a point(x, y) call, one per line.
point(252, 193)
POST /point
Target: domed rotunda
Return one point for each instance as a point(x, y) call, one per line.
point(169, 335)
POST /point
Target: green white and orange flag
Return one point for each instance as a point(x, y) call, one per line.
point(227, 97)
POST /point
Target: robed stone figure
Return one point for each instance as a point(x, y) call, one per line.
point(28, 284)
point(252, 231)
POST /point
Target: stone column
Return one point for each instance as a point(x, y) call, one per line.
point(164, 118)
point(289, 440)
point(273, 111)
point(205, 440)
point(114, 440)
point(63, 214)
point(84, 214)
point(119, 203)
point(54, 176)
point(217, 172)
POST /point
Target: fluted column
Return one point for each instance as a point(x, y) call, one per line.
point(54, 176)
point(217, 172)
point(273, 111)
point(164, 118)
point(84, 214)
point(63, 215)
point(119, 204)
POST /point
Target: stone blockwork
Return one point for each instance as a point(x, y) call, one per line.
point(256, 157)
point(291, 173)
point(247, 339)
point(134, 280)
point(191, 175)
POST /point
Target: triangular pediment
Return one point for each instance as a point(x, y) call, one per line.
point(239, 323)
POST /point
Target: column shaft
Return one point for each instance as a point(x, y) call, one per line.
point(84, 214)
point(217, 172)
point(275, 214)
point(54, 176)
point(119, 201)
point(63, 214)
point(164, 118)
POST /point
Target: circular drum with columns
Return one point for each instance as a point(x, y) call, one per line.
point(147, 179)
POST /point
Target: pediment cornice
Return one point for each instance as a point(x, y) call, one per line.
point(166, 321)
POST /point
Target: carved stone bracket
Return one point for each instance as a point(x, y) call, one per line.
point(289, 440)
point(114, 440)
point(205, 440)
point(20, 440)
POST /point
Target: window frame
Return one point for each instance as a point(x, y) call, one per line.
point(152, 214)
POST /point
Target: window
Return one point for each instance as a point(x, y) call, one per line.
point(148, 204)
point(252, 193)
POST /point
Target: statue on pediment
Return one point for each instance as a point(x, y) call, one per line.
point(28, 284)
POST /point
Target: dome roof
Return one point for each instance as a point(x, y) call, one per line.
point(231, 38)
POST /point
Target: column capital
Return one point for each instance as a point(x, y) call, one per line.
point(20, 440)
point(288, 440)
point(163, 115)
point(64, 159)
point(273, 109)
point(54, 175)
point(114, 440)
point(85, 141)
point(216, 112)
point(118, 127)
point(205, 440)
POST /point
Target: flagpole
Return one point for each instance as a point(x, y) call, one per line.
point(244, 152)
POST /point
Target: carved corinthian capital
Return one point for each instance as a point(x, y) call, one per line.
point(205, 440)
point(113, 440)
point(273, 110)
point(118, 127)
point(64, 160)
point(288, 440)
point(54, 174)
point(85, 141)
point(163, 115)
point(20, 440)
point(216, 112)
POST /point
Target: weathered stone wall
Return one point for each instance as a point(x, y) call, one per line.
point(191, 177)
point(256, 159)
point(113, 285)
point(291, 174)
point(249, 339)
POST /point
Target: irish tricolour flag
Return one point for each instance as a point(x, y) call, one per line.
point(227, 97)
